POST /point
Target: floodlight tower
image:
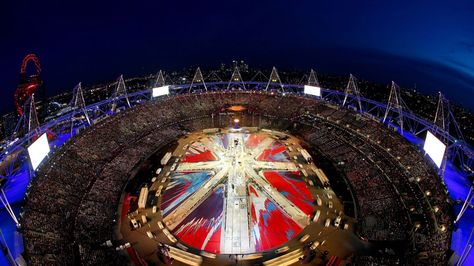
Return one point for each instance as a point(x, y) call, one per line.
point(259, 76)
point(5, 202)
point(28, 121)
point(445, 123)
point(313, 79)
point(198, 79)
point(160, 80)
point(119, 93)
point(236, 78)
point(78, 106)
point(395, 105)
point(213, 77)
point(6, 250)
point(467, 249)
point(441, 127)
point(275, 79)
point(352, 88)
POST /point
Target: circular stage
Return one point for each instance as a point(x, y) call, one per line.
point(227, 192)
point(235, 191)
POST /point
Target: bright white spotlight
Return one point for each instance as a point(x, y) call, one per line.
point(160, 91)
point(38, 150)
point(312, 90)
point(435, 148)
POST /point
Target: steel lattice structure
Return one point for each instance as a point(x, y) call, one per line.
point(457, 150)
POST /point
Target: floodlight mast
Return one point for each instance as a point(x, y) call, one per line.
point(441, 127)
point(214, 77)
point(33, 122)
point(236, 78)
point(467, 249)
point(259, 77)
point(28, 121)
point(198, 79)
point(313, 79)
point(6, 203)
point(443, 123)
point(119, 92)
point(4, 246)
point(160, 80)
point(395, 105)
point(78, 106)
point(352, 88)
point(466, 203)
point(275, 78)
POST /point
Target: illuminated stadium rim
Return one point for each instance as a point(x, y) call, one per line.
point(374, 109)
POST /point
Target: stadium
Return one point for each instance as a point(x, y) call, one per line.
point(213, 172)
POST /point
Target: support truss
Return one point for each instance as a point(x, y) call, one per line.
point(395, 106)
point(7, 206)
point(213, 77)
point(440, 120)
point(275, 80)
point(6, 250)
point(119, 94)
point(445, 125)
point(170, 79)
point(28, 121)
point(466, 204)
point(444, 120)
point(236, 78)
point(467, 249)
point(352, 89)
point(303, 80)
point(33, 122)
point(198, 79)
point(78, 107)
point(313, 79)
point(160, 80)
point(259, 77)
point(441, 125)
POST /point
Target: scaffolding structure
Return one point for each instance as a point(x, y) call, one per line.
point(159, 80)
point(395, 110)
point(395, 106)
point(119, 94)
point(213, 77)
point(236, 79)
point(352, 89)
point(78, 107)
point(313, 79)
point(274, 81)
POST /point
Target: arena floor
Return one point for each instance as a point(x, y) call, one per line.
point(238, 192)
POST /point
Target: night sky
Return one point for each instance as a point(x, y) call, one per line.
point(427, 43)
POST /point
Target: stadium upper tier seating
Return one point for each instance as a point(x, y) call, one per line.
point(72, 204)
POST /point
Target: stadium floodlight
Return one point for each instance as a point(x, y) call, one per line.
point(160, 91)
point(435, 148)
point(312, 90)
point(38, 150)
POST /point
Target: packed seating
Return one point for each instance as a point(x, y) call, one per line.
point(72, 204)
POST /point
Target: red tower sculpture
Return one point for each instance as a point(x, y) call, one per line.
point(28, 83)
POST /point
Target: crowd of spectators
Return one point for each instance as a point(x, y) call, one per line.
point(393, 182)
point(72, 204)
